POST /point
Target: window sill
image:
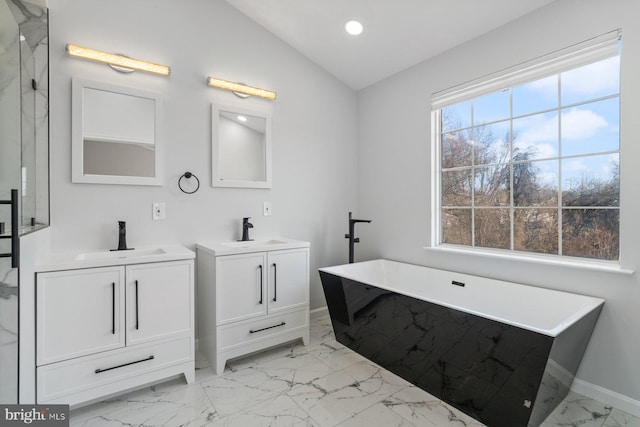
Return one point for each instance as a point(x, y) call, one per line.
point(593, 265)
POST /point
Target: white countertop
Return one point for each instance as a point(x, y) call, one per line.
point(106, 258)
point(259, 245)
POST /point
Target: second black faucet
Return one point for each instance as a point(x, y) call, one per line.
point(246, 225)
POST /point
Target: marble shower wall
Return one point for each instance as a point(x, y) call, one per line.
point(34, 65)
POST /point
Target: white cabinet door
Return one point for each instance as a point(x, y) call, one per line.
point(159, 300)
point(288, 279)
point(241, 287)
point(79, 312)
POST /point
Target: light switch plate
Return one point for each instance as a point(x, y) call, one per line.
point(266, 208)
point(159, 211)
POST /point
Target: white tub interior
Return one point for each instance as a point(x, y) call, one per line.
point(540, 310)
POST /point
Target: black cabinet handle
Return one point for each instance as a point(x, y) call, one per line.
point(113, 308)
point(97, 371)
point(253, 331)
point(260, 267)
point(275, 283)
point(137, 317)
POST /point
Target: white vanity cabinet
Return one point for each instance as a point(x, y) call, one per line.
point(104, 330)
point(251, 300)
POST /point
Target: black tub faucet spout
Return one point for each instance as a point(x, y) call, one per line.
point(351, 236)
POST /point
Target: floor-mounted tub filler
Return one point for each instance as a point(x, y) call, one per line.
point(502, 352)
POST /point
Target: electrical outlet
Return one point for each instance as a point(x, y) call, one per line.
point(266, 208)
point(159, 211)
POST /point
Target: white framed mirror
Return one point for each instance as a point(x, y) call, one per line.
point(116, 134)
point(241, 147)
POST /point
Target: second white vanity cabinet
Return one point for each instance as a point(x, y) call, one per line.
point(103, 330)
point(251, 298)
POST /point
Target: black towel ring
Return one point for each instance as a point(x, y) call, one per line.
point(188, 175)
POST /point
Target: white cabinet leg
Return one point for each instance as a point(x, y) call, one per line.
point(190, 376)
point(220, 364)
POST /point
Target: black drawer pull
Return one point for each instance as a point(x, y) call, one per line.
point(268, 327)
point(125, 364)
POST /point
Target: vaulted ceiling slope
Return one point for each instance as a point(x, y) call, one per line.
point(397, 33)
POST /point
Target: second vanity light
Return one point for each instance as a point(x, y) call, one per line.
point(241, 88)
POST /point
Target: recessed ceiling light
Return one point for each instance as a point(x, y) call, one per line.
point(354, 28)
point(242, 118)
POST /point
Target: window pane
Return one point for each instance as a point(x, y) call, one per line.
point(456, 226)
point(591, 181)
point(492, 228)
point(591, 233)
point(456, 149)
point(492, 186)
point(591, 128)
point(535, 137)
point(535, 167)
point(536, 230)
point(456, 116)
point(536, 96)
point(535, 183)
point(491, 143)
point(456, 188)
point(491, 108)
point(591, 81)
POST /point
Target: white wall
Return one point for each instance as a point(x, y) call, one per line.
point(394, 175)
point(314, 130)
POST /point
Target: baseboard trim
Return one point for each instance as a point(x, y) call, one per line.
point(606, 396)
point(318, 312)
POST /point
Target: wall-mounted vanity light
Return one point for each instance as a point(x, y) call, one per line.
point(117, 60)
point(241, 88)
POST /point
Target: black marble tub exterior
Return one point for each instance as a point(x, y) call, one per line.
point(502, 375)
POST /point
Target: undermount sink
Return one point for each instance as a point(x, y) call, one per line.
point(254, 243)
point(132, 253)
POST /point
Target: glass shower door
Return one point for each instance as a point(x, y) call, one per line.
point(10, 178)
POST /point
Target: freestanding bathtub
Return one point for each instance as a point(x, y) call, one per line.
point(504, 353)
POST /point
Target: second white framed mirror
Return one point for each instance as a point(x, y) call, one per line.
point(241, 147)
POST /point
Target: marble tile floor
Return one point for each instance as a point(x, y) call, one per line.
point(323, 384)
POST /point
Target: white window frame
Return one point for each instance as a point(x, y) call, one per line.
point(590, 51)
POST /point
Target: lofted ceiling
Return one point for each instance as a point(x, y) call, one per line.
point(397, 33)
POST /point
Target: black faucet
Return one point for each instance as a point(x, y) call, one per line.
point(351, 236)
point(246, 225)
point(122, 237)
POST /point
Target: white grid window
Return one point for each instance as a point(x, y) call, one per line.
point(533, 165)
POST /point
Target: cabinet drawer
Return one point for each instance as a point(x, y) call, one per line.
point(72, 376)
point(240, 333)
